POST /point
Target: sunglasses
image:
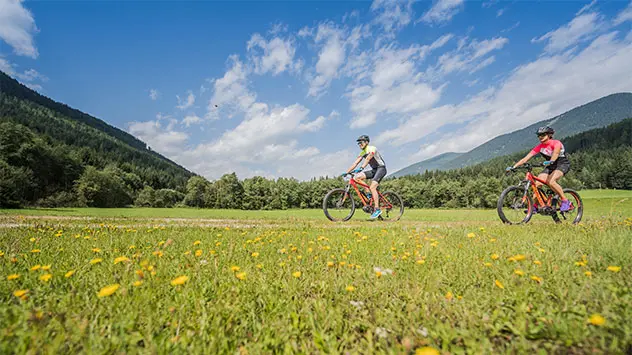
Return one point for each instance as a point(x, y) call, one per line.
point(542, 135)
point(361, 142)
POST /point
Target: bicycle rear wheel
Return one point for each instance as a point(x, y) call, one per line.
point(575, 214)
point(514, 207)
point(338, 205)
point(392, 206)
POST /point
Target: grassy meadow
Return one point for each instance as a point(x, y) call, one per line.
point(217, 281)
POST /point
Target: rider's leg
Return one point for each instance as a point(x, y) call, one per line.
point(542, 176)
point(552, 181)
point(366, 175)
point(376, 200)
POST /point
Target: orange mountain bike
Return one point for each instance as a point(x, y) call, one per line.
point(516, 205)
point(339, 204)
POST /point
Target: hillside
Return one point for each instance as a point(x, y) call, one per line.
point(50, 146)
point(599, 113)
point(600, 158)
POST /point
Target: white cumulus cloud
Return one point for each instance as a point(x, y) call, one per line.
point(17, 27)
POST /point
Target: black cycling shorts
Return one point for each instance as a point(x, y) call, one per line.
point(563, 166)
point(376, 174)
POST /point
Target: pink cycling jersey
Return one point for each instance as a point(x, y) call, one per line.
point(546, 149)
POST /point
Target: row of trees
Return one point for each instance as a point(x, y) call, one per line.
point(476, 187)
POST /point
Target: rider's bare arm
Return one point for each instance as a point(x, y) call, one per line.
point(368, 158)
point(355, 163)
point(525, 159)
point(556, 153)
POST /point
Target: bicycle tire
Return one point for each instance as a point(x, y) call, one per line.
point(580, 208)
point(326, 211)
point(394, 196)
point(501, 213)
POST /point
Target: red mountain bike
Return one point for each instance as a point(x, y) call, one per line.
point(517, 206)
point(339, 204)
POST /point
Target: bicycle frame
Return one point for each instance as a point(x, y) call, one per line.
point(530, 181)
point(354, 183)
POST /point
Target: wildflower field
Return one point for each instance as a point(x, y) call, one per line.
point(212, 281)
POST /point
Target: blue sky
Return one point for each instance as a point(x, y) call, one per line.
point(280, 88)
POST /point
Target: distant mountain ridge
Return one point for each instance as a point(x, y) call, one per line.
point(595, 114)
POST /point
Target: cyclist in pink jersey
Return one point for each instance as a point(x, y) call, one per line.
point(557, 163)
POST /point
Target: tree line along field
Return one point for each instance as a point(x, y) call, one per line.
point(208, 281)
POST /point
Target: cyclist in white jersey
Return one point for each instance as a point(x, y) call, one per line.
point(378, 169)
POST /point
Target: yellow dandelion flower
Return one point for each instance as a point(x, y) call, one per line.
point(96, 250)
point(297, 274)
point(254, 255)
point(137, 283)
point(13, 277)
point(580, 263)
point(518, 272)
point(179, 280)
point(234, 268)
point(449, 296)
point(536, 279)
point(108, 290)
point(69, 273)
point(471, 235)
point(518, 257)
point(241, 275)
point(46, 267)
point(588, 273)
point(20, 293)
point(421, 261)
point(495, 256)
point(488, 264)
point(259, 266)
point(597, 319)
point(198, 253)
point(499, 284)
point(121, 259)
point(35, 251)
point(614, 268)
point(330, 264)
point(197, 242)
point(426, 351)
point(350, 288)
point(96, 261)
point(36, 267)
point(537, 262)
point(45, 277)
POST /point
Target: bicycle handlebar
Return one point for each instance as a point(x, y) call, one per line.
point(525, 166)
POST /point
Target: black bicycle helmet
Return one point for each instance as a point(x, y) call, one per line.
point(363, 137)
point(545, 130)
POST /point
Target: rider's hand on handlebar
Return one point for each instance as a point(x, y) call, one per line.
point(357, 170)
point(547, 162)
point(509, 168)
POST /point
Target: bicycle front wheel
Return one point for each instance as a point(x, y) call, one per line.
point(514, 206)
point(338, 205)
